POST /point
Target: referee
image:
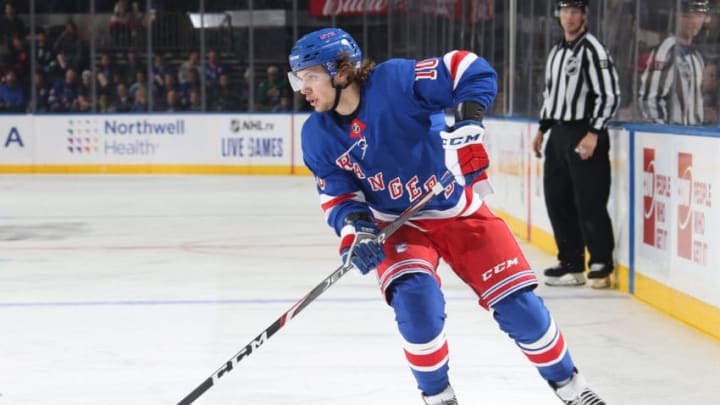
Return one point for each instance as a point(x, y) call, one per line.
point(581, 95)
point(671, 85)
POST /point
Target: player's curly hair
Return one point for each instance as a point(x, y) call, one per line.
point(357, 75)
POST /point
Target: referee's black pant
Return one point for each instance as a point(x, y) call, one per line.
point(576, 196)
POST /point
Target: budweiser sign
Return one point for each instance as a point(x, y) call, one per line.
point(327, 8)
point(476, 9)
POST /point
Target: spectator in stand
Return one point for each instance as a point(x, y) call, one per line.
point(85, 86)
point(11, 24)
point(64, 92)
point(18, 59)
point(122, 101)
point(140, 100)
point(140, 81)
point(105, 72)
point(44, 56)
point(172, 101)
point(69, 49)
point(223, 97)
point(192, 85)
point(195, 103)
point(121, 24)
point(192, 63)
point(246, 88)
point(137, 15)
point(285, 104)
point(12, 95)
point(82, 104)
point(159, 69)
point(42, 91)
point(107, 86)
point(214, 69)
point(103, 103)
point(270, 90)
point(132, 66)
point(171, 82)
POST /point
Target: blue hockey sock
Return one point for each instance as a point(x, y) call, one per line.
point(420, 313)
point(525, 318)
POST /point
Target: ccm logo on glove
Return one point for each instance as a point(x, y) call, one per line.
point(462, 136)
point(465, 154)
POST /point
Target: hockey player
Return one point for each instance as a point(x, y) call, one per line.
point(371, 149)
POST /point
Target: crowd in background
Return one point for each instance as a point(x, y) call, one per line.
point(115, 77)
point(64, 80)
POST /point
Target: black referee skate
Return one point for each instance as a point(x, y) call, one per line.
point(447, 397)
point(600, 275)
point(577, 392)
point(562, 275)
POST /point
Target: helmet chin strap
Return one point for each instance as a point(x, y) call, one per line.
point(338, 90)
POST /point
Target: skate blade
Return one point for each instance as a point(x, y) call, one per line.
point(604, 282)
point(566, 280)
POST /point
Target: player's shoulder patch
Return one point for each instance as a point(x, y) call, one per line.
point(604, 63)
point(659, 65)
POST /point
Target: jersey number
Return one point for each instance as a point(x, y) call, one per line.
point(426, 69)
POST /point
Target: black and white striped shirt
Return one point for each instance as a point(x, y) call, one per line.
point(581, 83)
point(671, 85)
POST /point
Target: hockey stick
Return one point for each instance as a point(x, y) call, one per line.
point(255, 344)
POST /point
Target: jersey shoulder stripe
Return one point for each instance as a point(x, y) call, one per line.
point(457, 63)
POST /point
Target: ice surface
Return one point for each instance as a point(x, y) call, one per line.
point(134, 289)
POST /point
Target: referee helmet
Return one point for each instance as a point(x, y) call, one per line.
point(581, 4)
point(695, 6)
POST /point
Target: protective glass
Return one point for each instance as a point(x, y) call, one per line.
point(303, 78)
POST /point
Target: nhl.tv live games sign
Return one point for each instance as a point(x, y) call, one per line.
point(156, 143)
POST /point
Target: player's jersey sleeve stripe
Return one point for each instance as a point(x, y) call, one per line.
point(327, 202)
point(457, 63)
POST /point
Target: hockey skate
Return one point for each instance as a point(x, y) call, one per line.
point(600, 275)
point(560, 275)
point(577, 392)
point(446, 397)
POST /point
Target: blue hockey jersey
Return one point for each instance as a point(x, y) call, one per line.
point(387, 154)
